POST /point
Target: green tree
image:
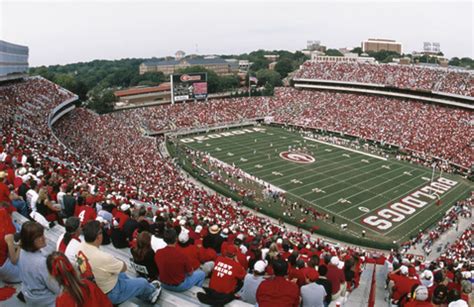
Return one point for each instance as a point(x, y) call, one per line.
point(268, 89)
point(102, 102)
point(227, 83)
point(333, 52)
point(272, 77)
point(357, 50)
point(259, 63)
point(384, 56)
point(455, 61)
point(284, 67)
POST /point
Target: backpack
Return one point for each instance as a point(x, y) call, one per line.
point(84, 267)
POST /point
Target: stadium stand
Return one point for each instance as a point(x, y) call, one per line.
point(399, 76)
point(111, 165)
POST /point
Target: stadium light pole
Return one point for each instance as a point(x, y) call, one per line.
point(250, 87)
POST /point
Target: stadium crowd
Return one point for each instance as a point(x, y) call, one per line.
point(400, 76)
point(463, 208)
point(425, 130)
point(185, 234)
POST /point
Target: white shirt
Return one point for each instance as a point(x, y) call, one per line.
point(72, 248)
point(60, 198)
point(31, 199)
point(157, 243)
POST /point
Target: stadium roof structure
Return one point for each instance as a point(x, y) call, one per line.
point(143, 90)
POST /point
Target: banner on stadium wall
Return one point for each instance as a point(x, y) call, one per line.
point(268, 119)
point(192, 86)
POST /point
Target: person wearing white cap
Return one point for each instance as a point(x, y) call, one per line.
point(427, 278)
point(336, 276)
point(401, 284)
point(458, 303)
point(419, 297)
point(248, 292)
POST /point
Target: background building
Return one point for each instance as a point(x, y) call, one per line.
point(139, 95)
point(376, 45)
point(13, 61)
point(167, 67)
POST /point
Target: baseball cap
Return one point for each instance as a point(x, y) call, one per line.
point(231, 250)
point(458, 303)
point(260, 266)
point(183, 237)
point(404, 270)
point(421, 293)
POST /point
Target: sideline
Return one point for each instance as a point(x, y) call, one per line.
point(345, 148)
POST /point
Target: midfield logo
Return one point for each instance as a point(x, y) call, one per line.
point(297, 157)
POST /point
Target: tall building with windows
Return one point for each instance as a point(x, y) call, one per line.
point(218, 65)
point(377, 44)
point(13, 61)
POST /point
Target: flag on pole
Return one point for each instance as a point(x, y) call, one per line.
point(253, 79)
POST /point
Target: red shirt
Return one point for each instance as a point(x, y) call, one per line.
point(278, 292)
point(94, 298)
point(85, 214)
point(6, 227)
point(299, 275)
point(403, 285)
point(122, 217)
point(4, 193)
point(225, 275)
point(418, 304)
point(336, 277)
point(207, 254)
point(243, 260)
point(173, 265)
point(193, 254)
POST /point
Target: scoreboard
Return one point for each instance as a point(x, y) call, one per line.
point(192, 86)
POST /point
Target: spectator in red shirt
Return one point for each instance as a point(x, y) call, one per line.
point(278, 291)
point(189, 249)
point(207, 256)
point(419, 297)
point(226, 279)
point(75, 292)
point(176, 272)
point(336, 276)
point(9, 251)
point(4, 190)
point(401, 283)
point(298, 273)
point(84, 212)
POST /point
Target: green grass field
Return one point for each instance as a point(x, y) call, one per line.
point(348, 185)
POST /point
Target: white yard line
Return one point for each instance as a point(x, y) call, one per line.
point(357, 185)
point(345, 148)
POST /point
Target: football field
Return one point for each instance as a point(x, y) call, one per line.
point(387, 199)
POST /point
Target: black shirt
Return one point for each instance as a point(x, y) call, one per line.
point(327, 286)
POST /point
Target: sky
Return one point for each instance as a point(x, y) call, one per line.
point(61, 32)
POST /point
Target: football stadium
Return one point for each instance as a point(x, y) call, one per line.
point(320, 177)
